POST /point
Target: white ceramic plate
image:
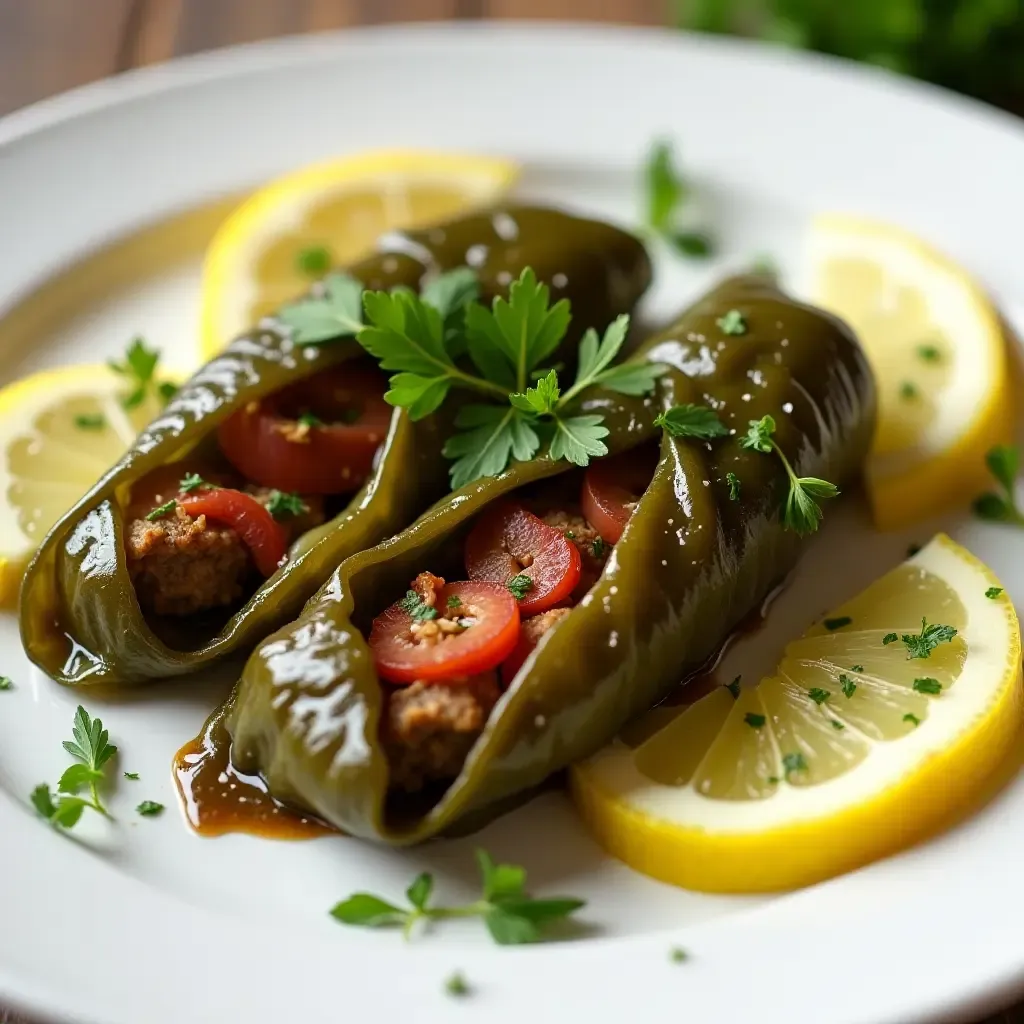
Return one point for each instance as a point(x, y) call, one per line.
point(144, 922)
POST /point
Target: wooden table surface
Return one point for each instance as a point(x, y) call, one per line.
point(47, 46)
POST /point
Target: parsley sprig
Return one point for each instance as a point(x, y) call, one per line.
point(138, 368)
point(1003, 463)
point(690, 420)
point(666, 193)
point(801, 513)
point(921, 645)
point(510, 914)
point(91, 749)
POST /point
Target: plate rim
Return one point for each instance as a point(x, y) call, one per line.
point(1003, 975)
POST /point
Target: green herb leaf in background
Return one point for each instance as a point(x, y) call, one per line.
point(692, 421)
point(335, 311)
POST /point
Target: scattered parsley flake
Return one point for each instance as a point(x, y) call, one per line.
point(908, 390)
point(755, 721)
point(833, 624)
point(818, 695)
point(691, 420)
point(734, 486)
point(313, 261)
point(191, 482)
point(889, 638)
point(678, 955)
point(993, 592)
point(417, 608)
point(519, 585)
point(856, 668)
point(456, 984)
point(837, 724)
point(161, 510)
point(309, 421)
point(695, 244)
point(921, 645)
point(911, 718)
point(149, 808)
point(138, 368)
point(597, 547)
point(90, 421)
point(454, 602)
point(928, 685)
point(929, 353)
point(134, 776)
point(732, 322)
point(6, 683)
point(734, 687)
point(280, 505)
point(848, 685)
point(569, 535)
point(793, 763)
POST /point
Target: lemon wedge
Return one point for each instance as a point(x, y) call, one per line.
point(60, 430)
point(293, 230)
point(937, 349)
point(851, 750)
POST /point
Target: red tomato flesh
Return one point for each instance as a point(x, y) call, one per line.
point(611, 489)
point(260, 532)
point(508, 541)
point(493, 631)
point(268, 445)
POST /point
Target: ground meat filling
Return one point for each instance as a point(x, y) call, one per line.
point(536, 626)
point(429, 728)
point(182, 565)
point(593, 550)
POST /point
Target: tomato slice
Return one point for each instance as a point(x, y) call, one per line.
point(268, 443)
point(611, 489)
point(508, 541)
point(404, 654)
point(260, 532)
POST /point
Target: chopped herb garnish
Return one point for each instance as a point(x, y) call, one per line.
point(456, 984)
point(921, 645)
point(734, 486)
point(818, 695)
point(908, 390)
point(837, 724)
point(454, 602)
point(929, 353)
point(91, 749)
point(308, 420)
point(911, 718)
point(569, 535)
point(928, 685)
point(793, 763)
point(691, 243)
point(848, 685)
point(280, 505)
point(511, 915)
point(597, 547)
point(139, 371)
point(90, 421)
point(134, 776)
point(314, 261)
point(191, 482)
point(889, 638)
point(678, 955)
point(755, 721)
point(993, 592)
point(691, 420)
point(912, 549)
point(161, 510)
point(6, 683)
point(856, 668)
point(519, 586)
point(1003, 462)
point(732, 322)
point(417, 608)
point(149, 808)
point(838, 623)
point(734, 687)
point(774, 779)
point(665, 193)
point(801, 513)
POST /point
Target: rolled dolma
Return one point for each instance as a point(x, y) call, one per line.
point(699, 548)
point(129, 587)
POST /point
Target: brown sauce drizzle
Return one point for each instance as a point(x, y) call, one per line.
point(217, 798)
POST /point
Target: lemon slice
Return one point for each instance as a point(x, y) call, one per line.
point(60, 430)
point(851, 750)
point(937, 349)
point(330, 214)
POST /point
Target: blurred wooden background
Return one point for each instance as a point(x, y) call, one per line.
point(47, 46)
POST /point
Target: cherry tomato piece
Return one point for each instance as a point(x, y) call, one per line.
point(407, 649)
point(508, 541)
point(611, 489)
point(260, 532)
point(318, 436)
